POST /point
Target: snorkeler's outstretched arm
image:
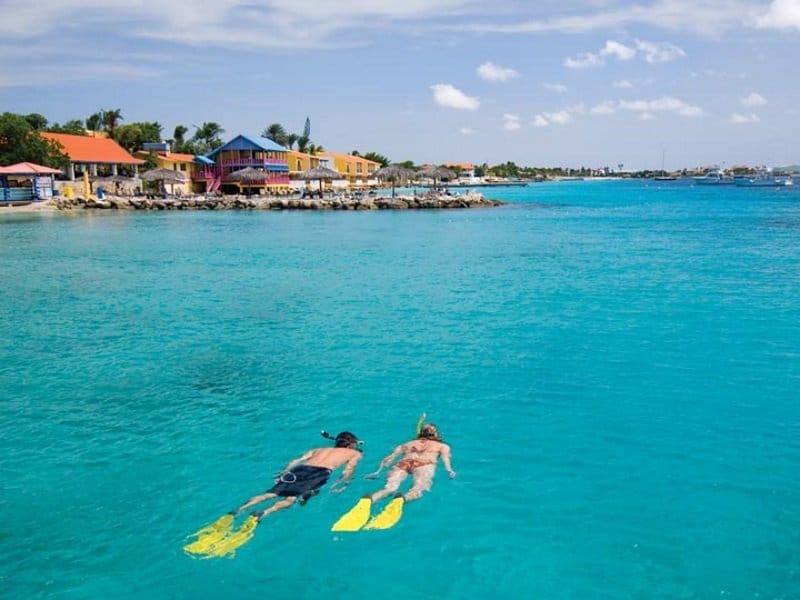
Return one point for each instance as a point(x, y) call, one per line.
point(389, 459)
point(445, 453)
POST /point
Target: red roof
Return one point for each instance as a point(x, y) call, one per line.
point(26, 168)
point(85, 149)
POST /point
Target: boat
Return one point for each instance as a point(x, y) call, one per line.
point(714, 177)
point(664, 176)
point(763, 178)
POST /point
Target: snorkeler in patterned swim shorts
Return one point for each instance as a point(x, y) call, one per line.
point(303, 477)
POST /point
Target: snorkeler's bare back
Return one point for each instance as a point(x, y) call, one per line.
point(330, 458)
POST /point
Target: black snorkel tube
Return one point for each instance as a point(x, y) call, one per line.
point(328, 436)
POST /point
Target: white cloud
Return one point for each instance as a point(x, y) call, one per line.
point(742, 119)
point(604, 108)
point(558, 88)
point(228, 23)
point(595, 59)
point(561, 117)
point(659, 52)
point(540, 121)
point(622, 83)
point(652, 52)
point(646, 116)
point(511, 122)
point(451, 97)
point(754, 99)
point(707, 17)
point(492, 72)
point(466, 131)
point(782, 14)
point(663, 104)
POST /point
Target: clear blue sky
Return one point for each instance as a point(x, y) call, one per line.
point(542, 83)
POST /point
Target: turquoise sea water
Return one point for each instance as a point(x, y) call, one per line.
point(616, 366)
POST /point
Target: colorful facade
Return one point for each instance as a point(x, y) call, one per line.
point(356, 170)
point(240, 153)
point(185, 164)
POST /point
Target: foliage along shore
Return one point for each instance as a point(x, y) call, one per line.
point(261, 203)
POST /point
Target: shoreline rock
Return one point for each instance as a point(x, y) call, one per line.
point(262, 203)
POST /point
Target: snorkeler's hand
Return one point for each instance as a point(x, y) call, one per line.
point(452, 474)
point(373, 475)
point(340, 485)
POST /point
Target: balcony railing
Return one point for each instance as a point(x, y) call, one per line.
point(267, 180)
point(202, 175)
point(254, 162)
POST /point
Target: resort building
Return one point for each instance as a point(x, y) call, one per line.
point(185, 164)
point(356, 170)
point(219, 171)
point(87, 154)
point(300, 162)
point(466, 171)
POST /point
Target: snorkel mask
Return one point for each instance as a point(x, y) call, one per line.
point(352, 441)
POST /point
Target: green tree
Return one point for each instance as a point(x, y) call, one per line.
point(307, 129)
point(111, 119)
point(95, 121)
point(407, 164)
point(315, 149)
point(74, 127)
point(19, 142)
point(179, 138)
point(303, 143)
point(133, 136)
point(36, 121)
point(378, 158)
point(207, 137)
point(276, 133)
point(290, 140)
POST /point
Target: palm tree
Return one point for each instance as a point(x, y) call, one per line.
point(303, 143)
point(208, 135)
point(95, 121)
point(314, 149)
point(111, 119)
point(290, 140)
point(276, 133)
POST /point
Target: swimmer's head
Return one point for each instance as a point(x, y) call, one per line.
point(429, 431)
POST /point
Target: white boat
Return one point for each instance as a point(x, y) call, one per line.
point(763, 178)
point(714, 177)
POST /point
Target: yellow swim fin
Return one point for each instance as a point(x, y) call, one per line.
point(389, 517)
point(238, 538)
point(355, 518)
point(209, 535)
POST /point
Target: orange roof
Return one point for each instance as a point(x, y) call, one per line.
point(83, 149)
point(462, 166)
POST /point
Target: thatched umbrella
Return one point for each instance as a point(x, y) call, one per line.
point(393, 173)
point(438, 173)
point(247, 177)
point(321, 173)
point(165, 176)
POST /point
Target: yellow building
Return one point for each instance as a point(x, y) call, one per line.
point(184, 164)
point(356, 170)
point(300, 161)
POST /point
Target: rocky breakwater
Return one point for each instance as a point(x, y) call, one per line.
point(265, 203)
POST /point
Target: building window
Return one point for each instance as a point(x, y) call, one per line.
point(358, 168)
point(299, 165)
point(183, 166)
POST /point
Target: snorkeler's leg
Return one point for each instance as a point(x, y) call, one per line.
point(279, 505)
point(423, 481)
point(393, 480)
point(253, 501)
